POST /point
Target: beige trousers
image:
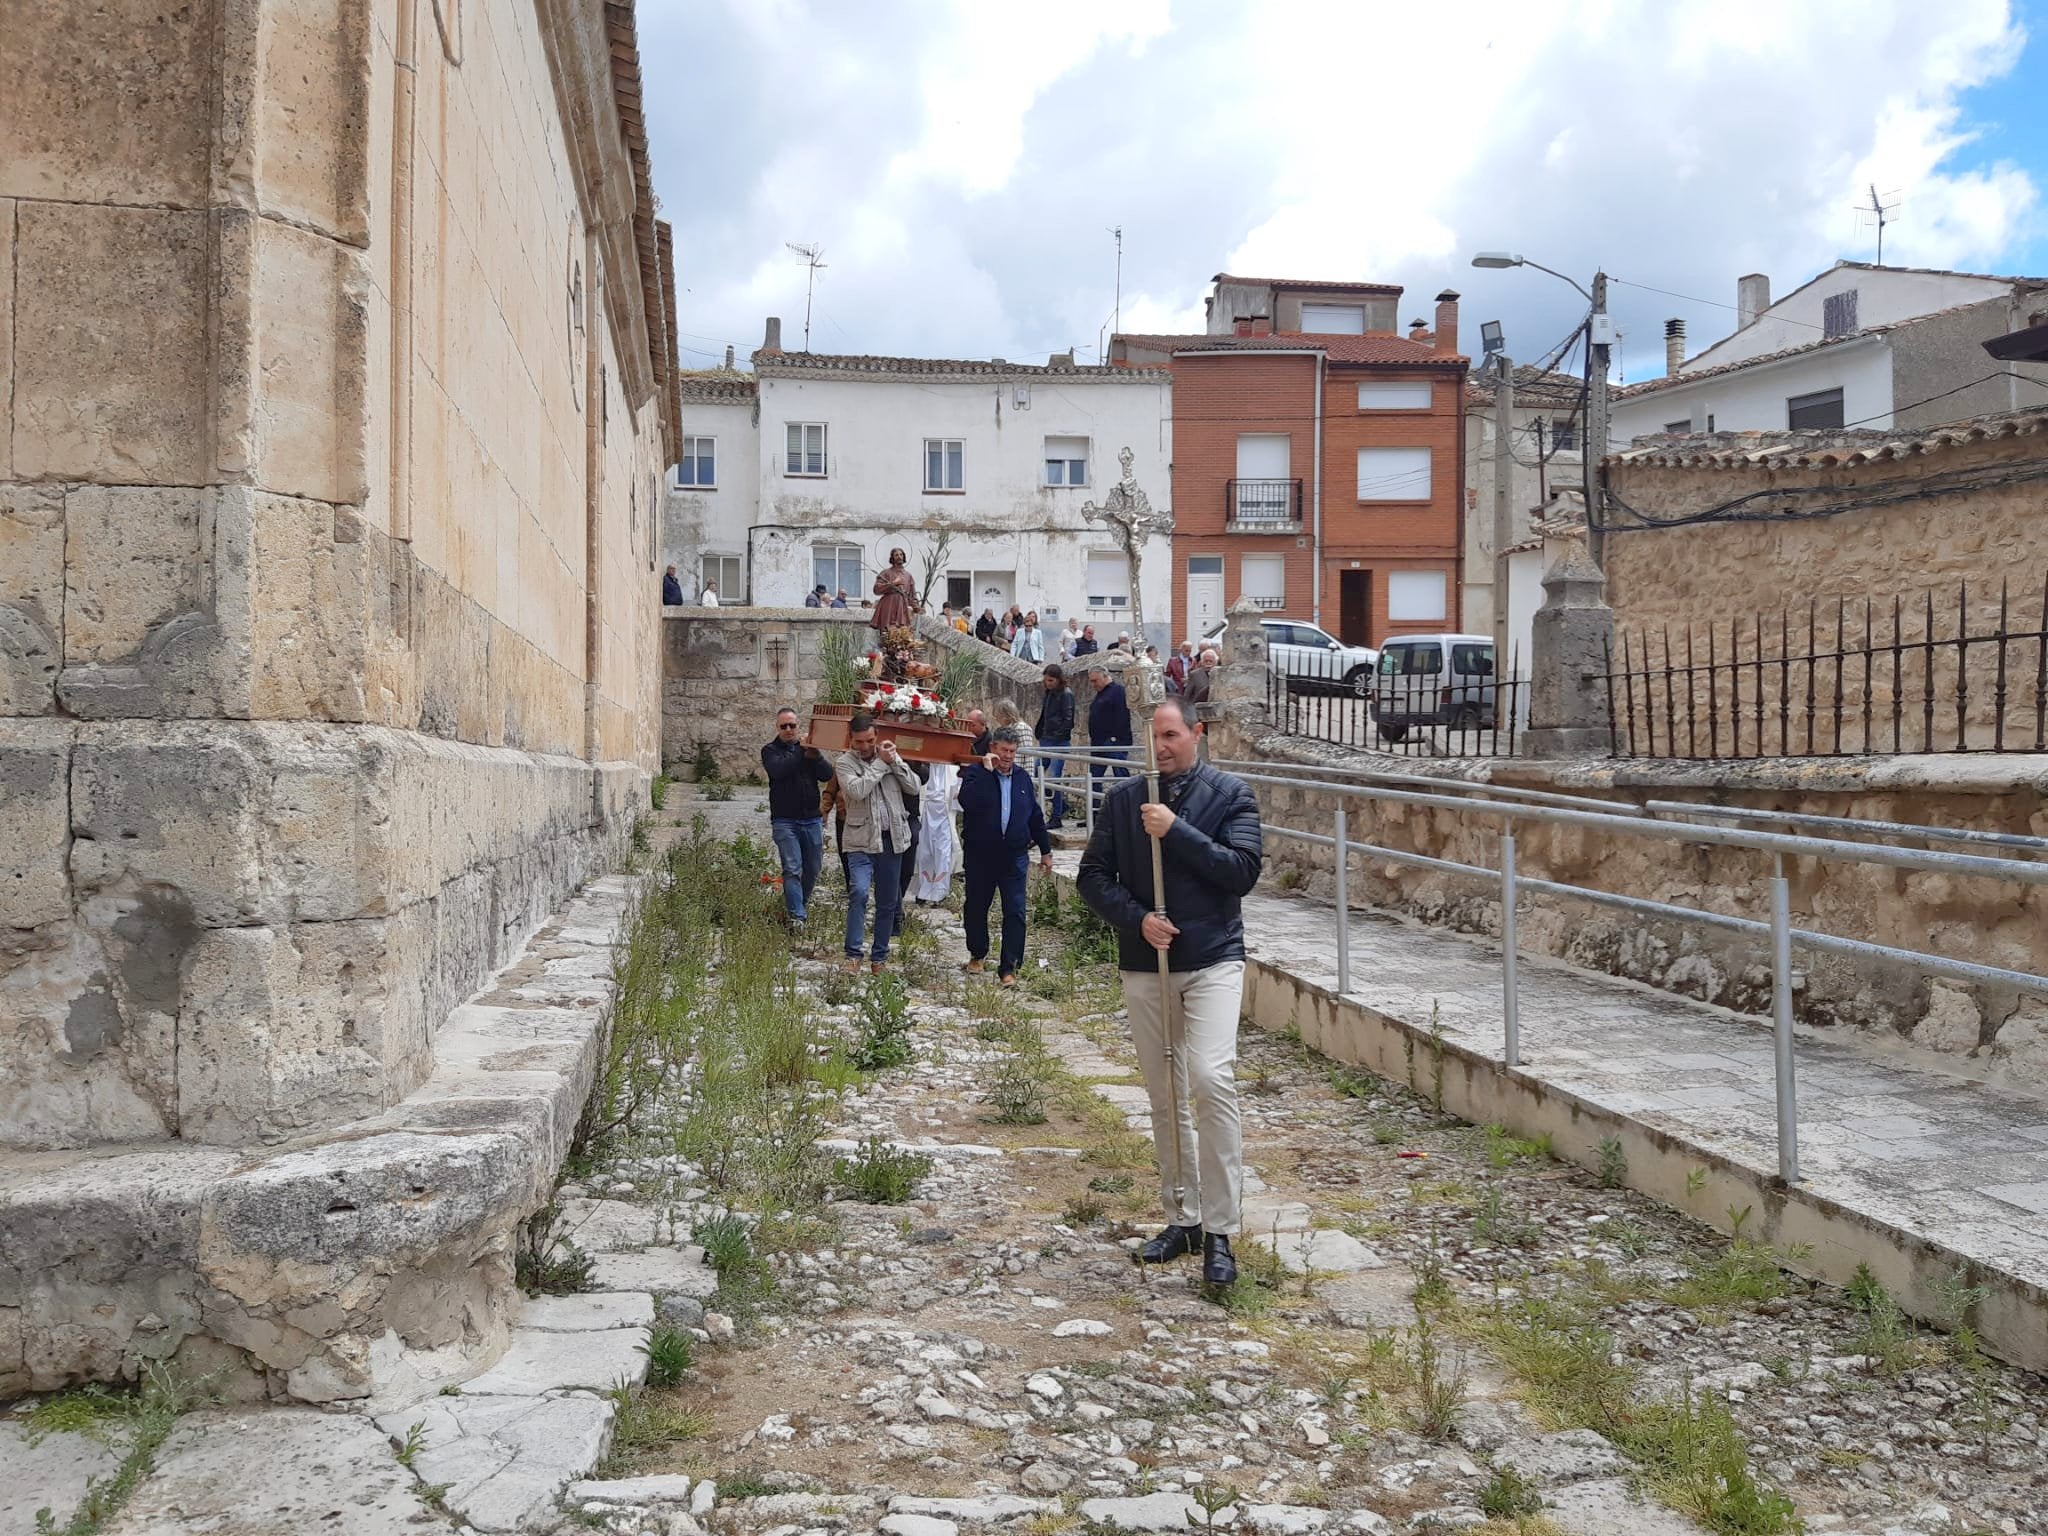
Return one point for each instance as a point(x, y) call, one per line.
point(1206, 1006)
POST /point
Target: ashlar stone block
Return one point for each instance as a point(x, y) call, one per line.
point(111, 102)
point(110, 337)
point(32, 597)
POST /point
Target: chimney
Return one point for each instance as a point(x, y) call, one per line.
point(728, 359)
point(1674, 347)
point(772, 342)
point(1262, 325)
point(1417, 331)
point(1447, 321)
point(1060, 360)
point(1752, 298)
point(1243, 327)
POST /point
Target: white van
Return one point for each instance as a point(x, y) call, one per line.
point(1434, 680)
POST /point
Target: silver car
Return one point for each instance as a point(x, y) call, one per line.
point(1434, 680)
point(1311, 658)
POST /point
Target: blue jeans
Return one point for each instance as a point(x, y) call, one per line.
point(1097, 772)
point(883, 874)
point(1052, 768)
point(990, 870)
point(801, 845)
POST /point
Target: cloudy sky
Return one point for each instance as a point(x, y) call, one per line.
point(962, 164)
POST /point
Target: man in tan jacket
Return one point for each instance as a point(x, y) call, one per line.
point(875, 835)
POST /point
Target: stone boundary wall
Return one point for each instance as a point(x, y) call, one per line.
point(1992, 922)
point(726, 671)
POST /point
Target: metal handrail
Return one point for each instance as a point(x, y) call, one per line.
point(1651, 822)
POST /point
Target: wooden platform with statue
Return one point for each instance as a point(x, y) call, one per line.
point(913, 701)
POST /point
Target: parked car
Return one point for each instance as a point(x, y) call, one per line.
point(1310, 658)
point(1434, 680)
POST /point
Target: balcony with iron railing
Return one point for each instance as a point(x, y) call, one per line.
point(1262, 506)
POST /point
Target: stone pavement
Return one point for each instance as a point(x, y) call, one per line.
point(1960, 1163)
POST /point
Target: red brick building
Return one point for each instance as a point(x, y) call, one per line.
point(1318, 458)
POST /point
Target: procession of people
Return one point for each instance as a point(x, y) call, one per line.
point(1175, 845)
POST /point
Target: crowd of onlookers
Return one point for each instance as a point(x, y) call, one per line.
point(1018, 634)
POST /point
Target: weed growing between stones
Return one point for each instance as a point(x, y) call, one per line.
point(703, 760)
point(715, 789)
point(645, 1421)
point(1439, 1379)
point(670, 1352)
point(880, 1174)
point(745, 1484)
point(884, 1023)
point(546, 1260)
point(1508, 1494)
point(657, 790)
point(1613, 1169)
point(135, 1424)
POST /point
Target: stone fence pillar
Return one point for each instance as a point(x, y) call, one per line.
point(1240, 681)
point(1569, 640)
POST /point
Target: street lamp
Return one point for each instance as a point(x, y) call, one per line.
point(1599, 335)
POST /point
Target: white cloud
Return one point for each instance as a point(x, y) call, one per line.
point(961, 162)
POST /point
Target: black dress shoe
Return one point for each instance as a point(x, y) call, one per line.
point(1171, 1244)
point(1219, 1265)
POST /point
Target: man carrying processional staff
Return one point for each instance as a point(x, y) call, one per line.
point(1169, 863)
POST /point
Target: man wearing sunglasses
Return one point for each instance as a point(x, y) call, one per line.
point(794, 820)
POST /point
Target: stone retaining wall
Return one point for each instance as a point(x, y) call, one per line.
point(1992, 922)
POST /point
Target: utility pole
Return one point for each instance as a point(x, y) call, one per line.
point(1599, 338)
point(1116, 319)
point(1503, 502)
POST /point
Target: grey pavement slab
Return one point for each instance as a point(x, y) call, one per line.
point(1960, 1162)
point(276, 1472)
point(50, 1474)
point(505, 1460)
point(538, 1361)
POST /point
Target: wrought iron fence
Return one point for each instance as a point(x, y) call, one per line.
point(1868, 678)
point(1459, 710)
point(1274, 504)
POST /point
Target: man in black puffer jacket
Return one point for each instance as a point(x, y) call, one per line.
point(1210, 850)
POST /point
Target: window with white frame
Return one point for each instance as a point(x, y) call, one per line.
point(1066, 461)
point(699, 467)
point(837, 568)
point(944, 462)
point(1393, 395)
point(728, 573)
point(1393, 474)
point(1109, 580)
point(1263, 579)
point(806, 448)
point(1415, 597)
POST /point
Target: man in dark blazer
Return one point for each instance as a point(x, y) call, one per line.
point(999, 823)
point(1109, 729)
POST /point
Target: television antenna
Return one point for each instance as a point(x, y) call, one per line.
point(1882, 213)
point(814, 258)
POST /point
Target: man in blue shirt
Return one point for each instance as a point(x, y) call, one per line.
point(999, 822)
point(794, 821)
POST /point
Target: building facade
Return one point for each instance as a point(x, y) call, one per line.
point(1546, 473)
point(985, 473)
point(335, 354)
point(1318, 457)
point(1885, 348)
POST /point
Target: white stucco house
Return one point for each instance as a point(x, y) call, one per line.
point(1859, 345)
point(811, 467)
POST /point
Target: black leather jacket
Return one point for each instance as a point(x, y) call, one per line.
point(1210, 859)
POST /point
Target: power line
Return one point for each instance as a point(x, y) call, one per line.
point(1711, 303)
point(1997, 373)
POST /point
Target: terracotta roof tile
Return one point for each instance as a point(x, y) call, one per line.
point(1347, 285)
point(1376, 348)
point(715, 384)
point(832, 362)
point(1824, 450)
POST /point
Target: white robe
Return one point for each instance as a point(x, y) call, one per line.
point(934, 876)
